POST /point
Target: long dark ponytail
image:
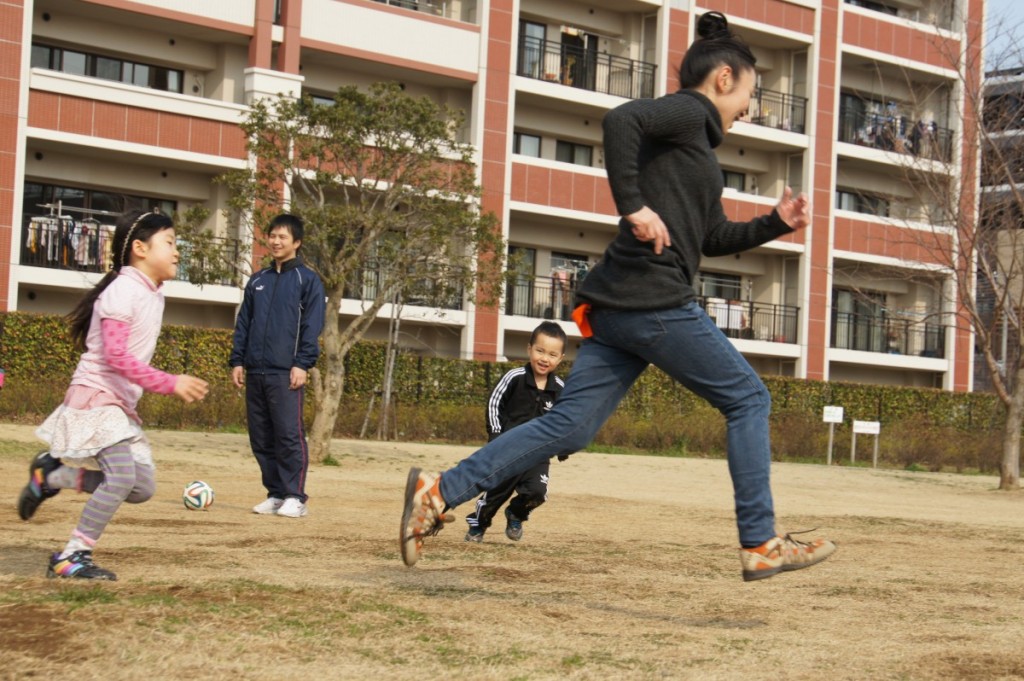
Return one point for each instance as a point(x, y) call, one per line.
point(716, 46)
point(134, 226)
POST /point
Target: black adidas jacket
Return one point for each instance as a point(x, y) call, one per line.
point(517, 399)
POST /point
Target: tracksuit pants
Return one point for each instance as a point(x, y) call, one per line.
point(277, 434)
point(530, 488)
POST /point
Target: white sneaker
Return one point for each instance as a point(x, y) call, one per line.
point(292, 508)
point(268, 506)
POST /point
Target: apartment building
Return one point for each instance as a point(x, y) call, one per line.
point(1000, 294)
point(116, 103)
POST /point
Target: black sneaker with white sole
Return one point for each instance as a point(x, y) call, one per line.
point(78, 565)
point(36, 491)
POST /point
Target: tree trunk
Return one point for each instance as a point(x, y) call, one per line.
point(387, 412)
point(1009, 467)
point(322, 430)
point(328, 385)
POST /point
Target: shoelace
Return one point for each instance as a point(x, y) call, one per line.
point(439, 522)
point(788, 538)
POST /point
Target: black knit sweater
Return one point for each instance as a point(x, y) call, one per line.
point(659, 154)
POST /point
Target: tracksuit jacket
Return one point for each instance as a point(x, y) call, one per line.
point(280, 320)
point(515, 400)
point(278, 328)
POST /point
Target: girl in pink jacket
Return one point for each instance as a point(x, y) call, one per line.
point(117, 325)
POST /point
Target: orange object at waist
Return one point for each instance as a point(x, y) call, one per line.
point(581, 316)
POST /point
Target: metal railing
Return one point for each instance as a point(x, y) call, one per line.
point(896, 132)
point(226, 255)
point(84, 246)
point(752, 320)
point(367, 283)
point(874, 333)
point(552, 298)
point(778, 110)
point(541, 298)
point(573, 66)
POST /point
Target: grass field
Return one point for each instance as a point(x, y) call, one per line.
point(628, 572)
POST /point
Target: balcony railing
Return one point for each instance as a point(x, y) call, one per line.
point(576, 67)
point(84, 246)
point(542, 298)
point(897, 133)
point(778, 110)
point(752, 320)
point(874, 333)
point(367, 284)
point(224, 257)
point(552, 298)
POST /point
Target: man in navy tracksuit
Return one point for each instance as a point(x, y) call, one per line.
point(275, 345)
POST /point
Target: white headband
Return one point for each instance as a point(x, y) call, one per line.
point(128, 239)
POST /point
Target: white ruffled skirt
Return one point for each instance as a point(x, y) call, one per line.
point(83, 433)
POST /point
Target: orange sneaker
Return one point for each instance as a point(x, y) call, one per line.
point(423, 515)
point(781, 554)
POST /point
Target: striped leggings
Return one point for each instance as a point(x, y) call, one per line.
point(122, 479)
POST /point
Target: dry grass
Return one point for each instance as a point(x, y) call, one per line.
point(629, 572)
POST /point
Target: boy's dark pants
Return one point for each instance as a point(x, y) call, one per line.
point(530, 488)
point(277, 434)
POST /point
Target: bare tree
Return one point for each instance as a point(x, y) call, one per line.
point(965, 241)
point(389, 198)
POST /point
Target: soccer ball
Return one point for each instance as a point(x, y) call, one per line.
point(198, 496)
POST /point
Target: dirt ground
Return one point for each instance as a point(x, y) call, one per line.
point(628, 572)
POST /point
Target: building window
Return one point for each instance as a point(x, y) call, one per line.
point(733, 180)
point(859, 320)
point(570, 152)
point(532, 53)
point(526, 144)
point(521, 295)
point(578, 265)
point(320, 100)
point(108, 68)
point(874, 6)
point(37, 194)
point(859, 202)
point(726, 286)
point(404, 4)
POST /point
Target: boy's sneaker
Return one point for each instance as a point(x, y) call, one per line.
point(781, 554)
point(268, 506)
point(475, 534)
point(514, 526)
point(423, 514)
point(37, 491)
point(292, 508)
point(78, 565)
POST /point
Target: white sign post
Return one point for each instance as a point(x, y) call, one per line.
point(832, 416)
point(868, 428)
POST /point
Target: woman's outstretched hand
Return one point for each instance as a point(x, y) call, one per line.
point(647, 226)
point(795, 212)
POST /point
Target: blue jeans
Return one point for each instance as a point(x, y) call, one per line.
point(684, 343)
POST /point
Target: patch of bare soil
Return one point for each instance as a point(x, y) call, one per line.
point(628, 572)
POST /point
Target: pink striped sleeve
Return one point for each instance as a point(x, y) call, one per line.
point(115, 352)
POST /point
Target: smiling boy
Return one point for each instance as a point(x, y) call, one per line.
point(521, 394)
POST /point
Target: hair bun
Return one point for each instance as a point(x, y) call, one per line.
point(712, 25)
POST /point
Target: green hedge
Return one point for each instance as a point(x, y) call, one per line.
point(443, 398)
